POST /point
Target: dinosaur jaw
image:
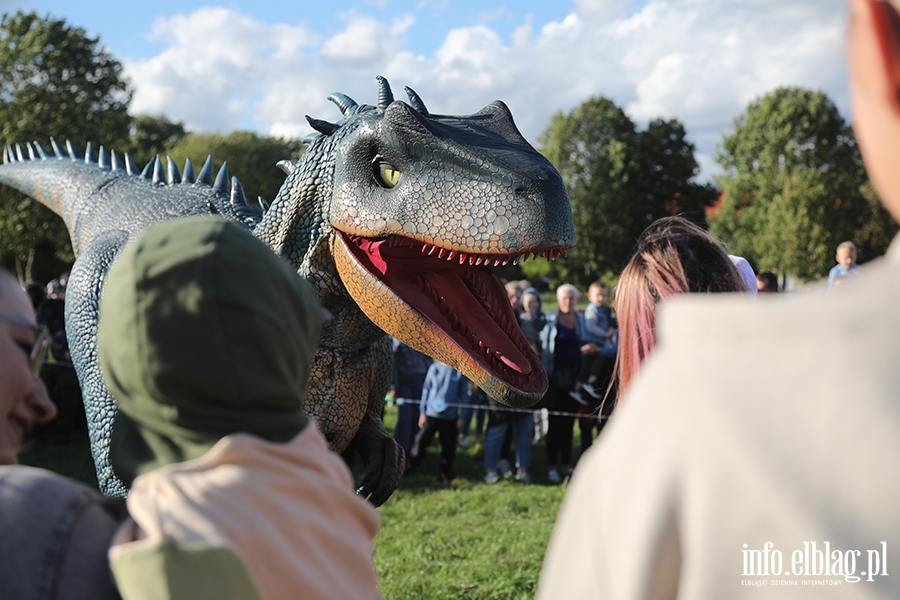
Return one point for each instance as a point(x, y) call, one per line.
point(439, 303)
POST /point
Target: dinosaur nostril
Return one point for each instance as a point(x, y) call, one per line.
point(329, 437)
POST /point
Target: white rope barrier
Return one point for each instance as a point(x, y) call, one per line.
point(558, 413)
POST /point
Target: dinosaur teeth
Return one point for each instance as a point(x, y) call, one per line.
point(462, 257)
point(433, 250)
point(452, 255)
point(441, 253)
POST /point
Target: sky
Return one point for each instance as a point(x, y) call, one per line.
point(264, 65)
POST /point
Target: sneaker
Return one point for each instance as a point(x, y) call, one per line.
point(491, 477)
point(523, 477)
point(577, 395)
point(465, 442)
point(594, 392)
point(553, 476)
point(503, 467)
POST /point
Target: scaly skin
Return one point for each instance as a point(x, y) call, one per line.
point(392, 214)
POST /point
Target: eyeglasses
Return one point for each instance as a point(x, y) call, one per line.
point(38, 351)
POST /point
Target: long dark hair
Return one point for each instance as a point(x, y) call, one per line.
point(673, 256)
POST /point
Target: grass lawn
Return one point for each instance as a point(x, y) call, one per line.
point(467, 540)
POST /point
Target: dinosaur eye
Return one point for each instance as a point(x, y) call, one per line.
point(388, 175)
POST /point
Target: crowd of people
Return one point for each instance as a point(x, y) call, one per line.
point(743, 424)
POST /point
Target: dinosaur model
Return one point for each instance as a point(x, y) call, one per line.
point(393, 214)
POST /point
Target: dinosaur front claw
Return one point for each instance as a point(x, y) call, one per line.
point(386, 466)
point(384, 458)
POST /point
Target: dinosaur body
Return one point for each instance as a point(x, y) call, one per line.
point(393, 215)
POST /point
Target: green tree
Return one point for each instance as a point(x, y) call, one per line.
point(54, 80)
point(251, 158)
point(795, 187)
point(619, 180)
point(151, 135)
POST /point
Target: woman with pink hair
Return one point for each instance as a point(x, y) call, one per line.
point(673, 256)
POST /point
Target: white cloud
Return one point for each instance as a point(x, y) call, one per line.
point(216, 60)
point(700, 61)
point(365, 43)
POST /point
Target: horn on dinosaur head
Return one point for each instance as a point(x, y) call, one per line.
point(343, 102)
point(323, 127)
point(385, 95)
point(415, 101)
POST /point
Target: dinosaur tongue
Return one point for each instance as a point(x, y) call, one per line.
point(465, 301)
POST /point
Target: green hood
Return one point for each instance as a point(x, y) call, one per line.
point(203, 332)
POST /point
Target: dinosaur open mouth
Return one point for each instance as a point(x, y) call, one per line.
point(458, 295)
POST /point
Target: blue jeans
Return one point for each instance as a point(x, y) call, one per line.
point(410, 388)
point(523, 432)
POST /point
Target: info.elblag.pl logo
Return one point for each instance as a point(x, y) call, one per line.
point(814, 560)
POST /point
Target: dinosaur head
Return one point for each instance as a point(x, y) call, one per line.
point(422, 206)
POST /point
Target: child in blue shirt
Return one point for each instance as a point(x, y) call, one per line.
point(444, 392)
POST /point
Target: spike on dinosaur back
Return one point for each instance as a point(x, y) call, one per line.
point(205, 175)
point(159, 175)
point(237, 192)
point(41, 151)
point(74, 152)
point(103, 159)
point(189, 176)
point(221, 184)
point(58, 150)
point(130, 166)
point(174, 174)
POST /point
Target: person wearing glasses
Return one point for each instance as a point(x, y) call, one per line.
point(54, 532)
point(23, 344)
